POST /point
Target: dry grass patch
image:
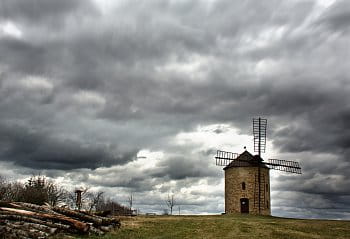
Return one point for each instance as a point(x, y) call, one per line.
point(228, 226)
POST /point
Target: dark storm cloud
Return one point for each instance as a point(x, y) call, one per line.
point(306, 205)
point(338, 16)
point(19, 52)
point(322, 134)
point(108, 83)
point(180, 167)
point(37, 150)
point(43, 12)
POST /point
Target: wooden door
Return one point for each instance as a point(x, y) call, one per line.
point(244, 205)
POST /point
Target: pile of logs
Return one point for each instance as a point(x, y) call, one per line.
point(24, 220)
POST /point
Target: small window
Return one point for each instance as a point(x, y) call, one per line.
point(243, 186)
point(267, 187)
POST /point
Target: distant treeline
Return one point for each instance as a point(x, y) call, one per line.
point(39, 190)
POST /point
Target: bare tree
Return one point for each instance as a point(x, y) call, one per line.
point(94, 199)
point(170, 202)
point(70, 199)
point(14, 192)
point(130, 200)
point(55, 193)
point(3, 188)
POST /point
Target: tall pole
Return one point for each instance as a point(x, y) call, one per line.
point(259, 153)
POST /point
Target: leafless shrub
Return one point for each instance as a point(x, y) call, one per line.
point(170, 202)
point(112, 207)
point(37, 190)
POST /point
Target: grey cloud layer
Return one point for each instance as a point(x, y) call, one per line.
point(114, 82)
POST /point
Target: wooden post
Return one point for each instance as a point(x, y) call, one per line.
point(78, 198)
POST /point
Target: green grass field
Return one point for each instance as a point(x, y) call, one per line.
point(232, 226)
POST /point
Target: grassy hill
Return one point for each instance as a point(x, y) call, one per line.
point(228, 226)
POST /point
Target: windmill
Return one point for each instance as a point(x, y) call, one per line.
point(247, 177)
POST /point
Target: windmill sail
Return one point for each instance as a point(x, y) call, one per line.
point(224, 158)
point(259, 133)
point(284, 165)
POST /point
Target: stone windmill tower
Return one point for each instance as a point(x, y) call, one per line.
point(247, 177)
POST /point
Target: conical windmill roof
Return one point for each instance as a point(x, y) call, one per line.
point(246, 159)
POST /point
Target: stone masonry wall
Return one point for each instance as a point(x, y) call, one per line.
point(233, 189)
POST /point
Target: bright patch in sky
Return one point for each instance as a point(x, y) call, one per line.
point(216, 135)
point(267, 67)
point(193, 67)
point(147, 159)
point(89, 98)
point(36, 83)
point(10, 29)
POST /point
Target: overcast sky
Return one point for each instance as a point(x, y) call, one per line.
point(87, 87)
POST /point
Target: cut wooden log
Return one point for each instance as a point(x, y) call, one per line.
point(96, 220)
point(103, 213)
point(28, 207)
point(96, 230)
point(12, 231)
point(39, 227)
point(79, 215)
point(78, 225)
point(23, 230)
point(16, 217)
point(25, 220)
point(32, 207)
